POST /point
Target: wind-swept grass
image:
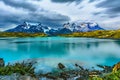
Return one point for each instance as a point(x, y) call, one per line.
point(20, 68)
point(62, 72)
point(114, 75)
point(114, 34)
point(18, 34)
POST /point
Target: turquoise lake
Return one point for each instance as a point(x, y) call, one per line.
point(51, 50)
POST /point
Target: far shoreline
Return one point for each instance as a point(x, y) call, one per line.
point(98, 34)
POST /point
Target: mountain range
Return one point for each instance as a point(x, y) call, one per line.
point(65, 29)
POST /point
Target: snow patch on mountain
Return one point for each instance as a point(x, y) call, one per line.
point(76, 26)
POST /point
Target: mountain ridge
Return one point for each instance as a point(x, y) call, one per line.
point(67, 28)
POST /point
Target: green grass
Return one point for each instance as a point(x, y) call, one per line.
point(114, 75)
point(18, 34)
point(20, 68)
point(110, 76)
point(114, 34)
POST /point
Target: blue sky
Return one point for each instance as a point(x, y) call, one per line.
point(56, 12)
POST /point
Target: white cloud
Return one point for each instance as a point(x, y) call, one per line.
point(72, 9)
point(38, 10)
point(10, 14)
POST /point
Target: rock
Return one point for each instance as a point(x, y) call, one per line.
point(27, 78)
point(51, 77)
point(79, 66)
point(76, 65)
point(106, 69)
point(61, 66)
point(81, 78)
point(64, 75)
point(2, 63)
point(94, 74)
point(16, 76)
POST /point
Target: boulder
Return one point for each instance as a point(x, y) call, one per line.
point(61, 66)
point(2, 63)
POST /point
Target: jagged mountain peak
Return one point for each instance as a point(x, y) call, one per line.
point(69, 27)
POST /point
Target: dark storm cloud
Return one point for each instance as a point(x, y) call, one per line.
point(113, 10)
point(92, 0)
point(113, 16)
point(33, 18)
point(112, 7)
point(63, 1)
point(54, 20)
point(33, 14)
point(67, 1)
point(96, 13)
point(20, 4)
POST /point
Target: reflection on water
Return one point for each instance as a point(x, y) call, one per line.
point(86, 50)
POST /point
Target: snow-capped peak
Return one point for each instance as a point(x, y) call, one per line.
point(83, 25)
point(66, 25)
point(25, 25)
point(76, 26)
point(93, 24)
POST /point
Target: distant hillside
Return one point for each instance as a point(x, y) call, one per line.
point(115, 34)
point(18, 34)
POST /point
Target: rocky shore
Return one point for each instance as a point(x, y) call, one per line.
point(25, 71)
point(16, 76)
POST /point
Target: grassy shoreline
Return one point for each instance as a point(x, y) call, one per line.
point(102, 34)
point(18, 34)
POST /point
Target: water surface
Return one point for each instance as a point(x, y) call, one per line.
point(51, 50)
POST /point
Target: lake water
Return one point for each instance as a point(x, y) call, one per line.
point(51, 50)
